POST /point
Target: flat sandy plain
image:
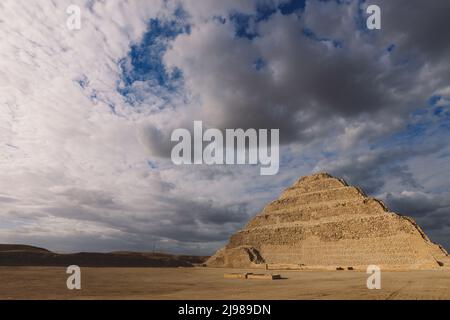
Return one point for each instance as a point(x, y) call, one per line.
point(209, 283)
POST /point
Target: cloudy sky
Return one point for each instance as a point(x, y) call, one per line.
point(86, 115)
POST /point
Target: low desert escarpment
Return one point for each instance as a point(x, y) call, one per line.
point(23, 255)
point(321, 222)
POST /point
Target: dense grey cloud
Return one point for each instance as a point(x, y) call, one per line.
point(369, 170)
point(416, 27)
point(320, 71)
point(430, 211)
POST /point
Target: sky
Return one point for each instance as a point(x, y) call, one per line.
point(86, 115)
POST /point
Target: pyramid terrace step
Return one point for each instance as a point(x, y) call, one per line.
point(358, 228)
point(342, 193)
point(286, 195)
point(331, 205)
point(317, 185)
point(308, 223)
point(371, 208)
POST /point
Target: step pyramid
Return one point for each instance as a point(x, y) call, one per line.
point(323, 223)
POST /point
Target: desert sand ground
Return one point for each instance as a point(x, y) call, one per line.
point(208, 283)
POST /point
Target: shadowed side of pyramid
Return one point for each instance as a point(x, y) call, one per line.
point(322, 222)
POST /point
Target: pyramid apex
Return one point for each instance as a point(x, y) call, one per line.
point(315, 176)
point(321, 174)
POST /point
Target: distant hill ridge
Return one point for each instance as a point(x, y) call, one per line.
point(20, 247)
point(25, 255)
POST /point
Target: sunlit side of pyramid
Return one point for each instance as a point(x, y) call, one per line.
point(322, 222)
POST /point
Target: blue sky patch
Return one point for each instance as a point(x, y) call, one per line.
point(291, 6)
point(424, 125)
point(391, 48)
point(433, 100)
point(243, 25)
point(259, 64)
point(144, 61)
